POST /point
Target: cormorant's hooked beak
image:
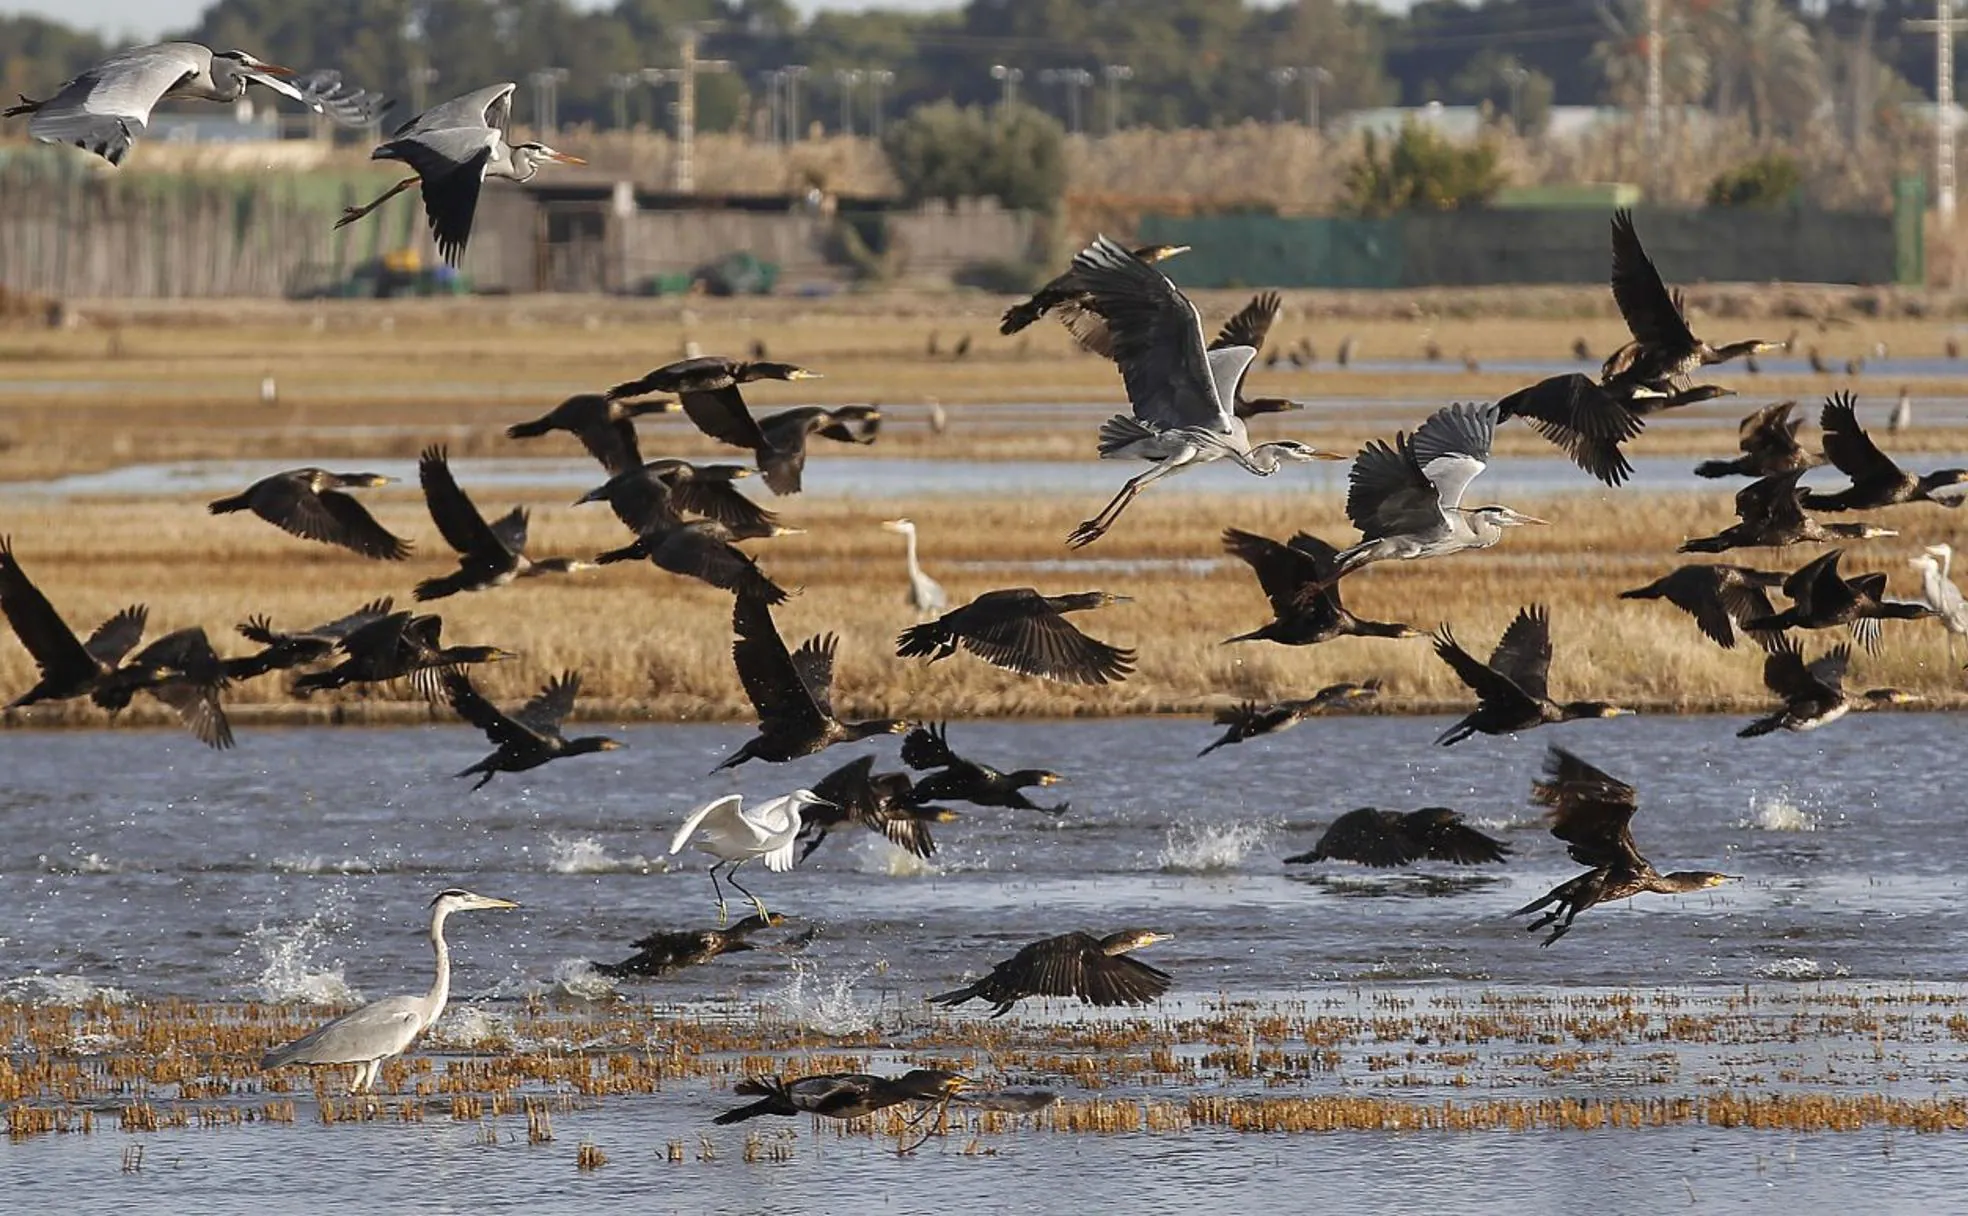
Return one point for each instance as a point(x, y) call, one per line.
point(1716, 880)
point(1152, 938)
point(609, 745)
point(1118, 599)
point(502, 656)
point(800, 373)
point(370, 480)
point(1049, 779)
point(1615, 711)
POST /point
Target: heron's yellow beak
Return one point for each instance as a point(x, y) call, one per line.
point(1322, 454)
point(565, 159)
point(273, 69)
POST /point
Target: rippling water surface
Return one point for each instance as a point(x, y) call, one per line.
point(298, 867)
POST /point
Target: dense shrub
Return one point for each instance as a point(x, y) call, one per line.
point(946, 152)
point(1420, 171)
point(1768, 181)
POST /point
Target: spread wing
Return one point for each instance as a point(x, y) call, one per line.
point(1650, 312)
point(545, 712)
point(472, 706)
point(511, 528)
point(1490, 686)
point(1251, 325)
point(1282, 570)
point(354, 528)
point(1387, 494)
point(490, 106)
point(1453, 447)
point(773, 682)
point(814, 661)
point(1786, 674)
point(106, 107)
point(1589, 810)
point(1771, 499)
point(40, 628)
point(722, 414)
point(118, 635)
point(1157, 338)
point(1847, 445)
point(1027, 636)
point(1523, 656)
point(457, 519)
point(1368, 836)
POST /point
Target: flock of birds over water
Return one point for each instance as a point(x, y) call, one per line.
point(1185, 391)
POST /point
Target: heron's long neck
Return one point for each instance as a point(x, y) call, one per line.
point(440, 989)
point(915, 571)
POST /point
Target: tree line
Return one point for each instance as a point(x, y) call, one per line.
point(1093, 64)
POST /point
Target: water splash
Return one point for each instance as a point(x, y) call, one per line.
point(1208, 848)
point(823, 1004)
point(1800, 968)
point(1777, 813)
point(316, 863)
point(879, 857)
point(586, 855)
point(61, 990)
point(577, 978)
point(287, 973)
point(87, 863)
point(470, 1027)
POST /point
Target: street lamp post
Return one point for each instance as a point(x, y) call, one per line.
point(546, 99)
point(620, 84)
point(847, 78)
point(1280, 78)
point(1515, 76)
point(1114, 74)
point(1314, 77)
point(1074, 79)
point(794, 72)
point(1007, 79)
point(878, 79)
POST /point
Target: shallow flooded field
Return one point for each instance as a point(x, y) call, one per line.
point(1789, 1038)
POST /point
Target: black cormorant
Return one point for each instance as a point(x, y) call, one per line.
point(707, 374)
point(1720, 597)
point(1663, 349)
point(699, 548)
point(281, 651)
point(792, 691)
point(1385, 839)
point(183, 671)
point(1023, 631)
point(1768, 439)
point(1511, 688)
point(69, 667)
point(841, 1095)
point(1070, 300)
point(961, 780)
point(530, 735)
point(1096, 970)
point(399, 646)
point(672, 950)
point(1770, 514)
point(1876, 480)
point(1297, 577)
point(309, 503)
point(881, 802)
point(1592, 813)
point(489, 555)
point(1813, 693)
point(1822, 599)
point(605, 428)
point(647, 490)
point(1249, 719)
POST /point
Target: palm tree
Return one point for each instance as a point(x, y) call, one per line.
point(1763, 49)
point(1622, 53)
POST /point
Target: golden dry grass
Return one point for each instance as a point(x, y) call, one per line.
point(651, 645)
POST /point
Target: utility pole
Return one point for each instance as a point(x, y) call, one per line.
point(1515, 76)
point(1115, 73)
point(684, 179)
point(794, 73)
point(1007, 79)
point(878, 79)
point(1073, 79)
point(1280, 78)
point(1314, 77)
point(621, 84)
point(847, 78)
point(1942, 27)
point(1651, 123)
point(546, 100)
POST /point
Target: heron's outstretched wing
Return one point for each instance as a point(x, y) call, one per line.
point(450, 166)
point(1453, 447)
point(1524, 654)
point(105, 108)
point(1387, 494)
point(1157, 338)
point(1650, 312)
point(490, 106)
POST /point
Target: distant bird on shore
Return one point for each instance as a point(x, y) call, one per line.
point(1768, 439)
point(1770, 514)
point(106, 107)
point(1876, 480)
point(1823, 599)
point(841, 1095)
point(1069, 301)
point(1813, 693)
point(606, 428)
point(792, 691)
point(1093, 970)
point(374, 1033)
point(1181, 394)
point(1297, 578)
point(451, 149)
point(726, 830)
point(1511, 688)
point(399, 646)
point(489, 555)
point(1938, 592)
point(529, 736)
point(69, 667)
point(926, 595)
point(665, 951)
point(883, 803)
point(958, 779)
point(1592, 813)
point(1406, 499)
point(309, 503)
point(1720, 597)
point(1023, 631)
point(1249, 720)
point(281, 651)
point(1385, 839)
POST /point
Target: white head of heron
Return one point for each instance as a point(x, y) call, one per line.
point(904, 526)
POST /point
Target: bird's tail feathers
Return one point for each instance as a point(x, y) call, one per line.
point(1121, 432)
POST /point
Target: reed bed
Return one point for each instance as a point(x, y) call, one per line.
point(651, 646)
point(1489, 1060)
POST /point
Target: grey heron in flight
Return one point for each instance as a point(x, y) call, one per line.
point(1406, 498)
point(375, 1032)
point(454, 147)
point(1938, 592)
point(1183, 395)
point(106, 108)
point(926, 595)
